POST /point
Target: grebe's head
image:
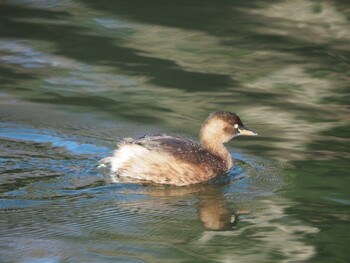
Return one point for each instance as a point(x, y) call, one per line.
point(222, 126)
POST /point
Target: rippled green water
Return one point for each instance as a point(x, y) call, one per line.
point(77, 76)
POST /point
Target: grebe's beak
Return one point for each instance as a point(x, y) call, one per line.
point(246, 131)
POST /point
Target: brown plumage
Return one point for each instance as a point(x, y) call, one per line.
point(174, 160)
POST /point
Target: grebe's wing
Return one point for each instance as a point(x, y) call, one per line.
point(164, 142)
point(179, 147)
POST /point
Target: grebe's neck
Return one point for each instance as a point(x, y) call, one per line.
point(213, 138)
point(219, 150)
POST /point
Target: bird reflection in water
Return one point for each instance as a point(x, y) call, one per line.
point(214, 212)
point(213, 209)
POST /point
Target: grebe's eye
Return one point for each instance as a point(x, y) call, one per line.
point(235, 126)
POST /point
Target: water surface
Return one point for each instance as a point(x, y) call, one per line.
point(78, 76)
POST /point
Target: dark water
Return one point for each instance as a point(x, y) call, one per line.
point(77, 76)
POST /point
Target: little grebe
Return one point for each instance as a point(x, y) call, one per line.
point(174, 160)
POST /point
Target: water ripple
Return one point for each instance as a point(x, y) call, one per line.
point(33, 135)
